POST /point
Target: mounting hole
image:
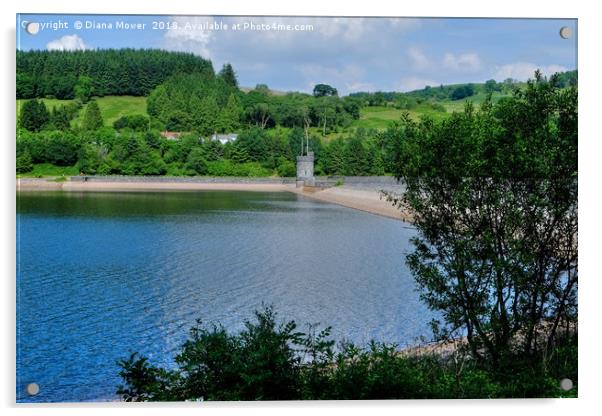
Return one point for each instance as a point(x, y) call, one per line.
point(33, 389)
point(566, 384)
point(32, 28)
point(565, 32)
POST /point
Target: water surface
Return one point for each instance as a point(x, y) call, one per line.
point(100, 275)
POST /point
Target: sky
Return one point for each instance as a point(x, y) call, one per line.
point(351, 54)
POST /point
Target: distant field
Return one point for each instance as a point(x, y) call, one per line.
point(380, 117)
point(111, 108)
point(477, 99)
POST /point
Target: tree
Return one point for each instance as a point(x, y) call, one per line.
point(356, 157)
point(92, 117)
point(324, 90)
point(228, 75)
point(463, 91)
point(491, 86)
point(83, 89)
point(33, 115)
point(60, 118)
point(493, 194)
point(196, 162)
point(24, 163)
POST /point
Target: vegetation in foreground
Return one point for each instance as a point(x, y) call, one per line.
point(270, 360)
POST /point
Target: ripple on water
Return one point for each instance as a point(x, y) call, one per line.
point(102, 275)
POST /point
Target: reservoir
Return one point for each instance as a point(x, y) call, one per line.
point(101, 275)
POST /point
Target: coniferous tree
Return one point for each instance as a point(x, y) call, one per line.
point(33, 115)
point(228, 75)
point(92, 117)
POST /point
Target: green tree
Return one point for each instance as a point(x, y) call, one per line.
point(324, 90)
point(60, 118)
point(33, 115)
point(357, 158)
point(92, 117)
point(83, 89)
point(493, 194)
point(196, 162)
point(228, 75)
point(24, 163)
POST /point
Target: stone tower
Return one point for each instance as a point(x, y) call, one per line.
point(305, 170)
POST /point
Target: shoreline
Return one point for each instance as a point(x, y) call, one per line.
point(367, 198)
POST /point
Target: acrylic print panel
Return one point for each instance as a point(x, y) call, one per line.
point(295, 208)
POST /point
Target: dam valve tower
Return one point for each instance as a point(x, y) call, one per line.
point(305, 165)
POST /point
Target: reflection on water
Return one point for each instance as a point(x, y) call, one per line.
point(103, 274)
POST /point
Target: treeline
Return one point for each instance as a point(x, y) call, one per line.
point(255, 152)
point(82, 74)
point(430, 93)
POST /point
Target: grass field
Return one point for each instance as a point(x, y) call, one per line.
point(41, 170)
point(111, 107)
point(477, 100)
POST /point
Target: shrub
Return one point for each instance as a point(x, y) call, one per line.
point(286, 169)
point(271, 360)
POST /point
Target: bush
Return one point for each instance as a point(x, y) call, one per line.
point(287, 169)
point(196, 162)
point(24, 163)
point(227, 168)
point(136, 122)
point(269, 360)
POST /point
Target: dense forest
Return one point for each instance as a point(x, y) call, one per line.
point(66, 75)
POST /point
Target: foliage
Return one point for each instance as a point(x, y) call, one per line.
point(462, 92)
point(92, 117)
point(33, 115)
point(323, 90)
point(24, 163)
point(286, 168)
point(493, 194)
point(81, 74)
point(228, 75)
point(196, 102)
point(272, 360)
point(136, 122)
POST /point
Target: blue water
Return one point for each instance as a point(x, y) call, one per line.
point(100, 275)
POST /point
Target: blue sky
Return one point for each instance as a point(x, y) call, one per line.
point(352, 54)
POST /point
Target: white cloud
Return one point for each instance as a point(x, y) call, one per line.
point(465, 62)
point(189, 35)
point(418, 59)
point(414, 83)
point(67, 43)
point(522, 71)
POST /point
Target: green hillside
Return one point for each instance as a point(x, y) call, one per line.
point(111, 107)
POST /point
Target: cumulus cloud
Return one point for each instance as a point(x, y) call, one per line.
point(522, 71)
point(418, 59)
point(329, 50)
point(67, 43)
point(465, 62)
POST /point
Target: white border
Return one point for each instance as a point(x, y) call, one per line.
point(590, 372)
